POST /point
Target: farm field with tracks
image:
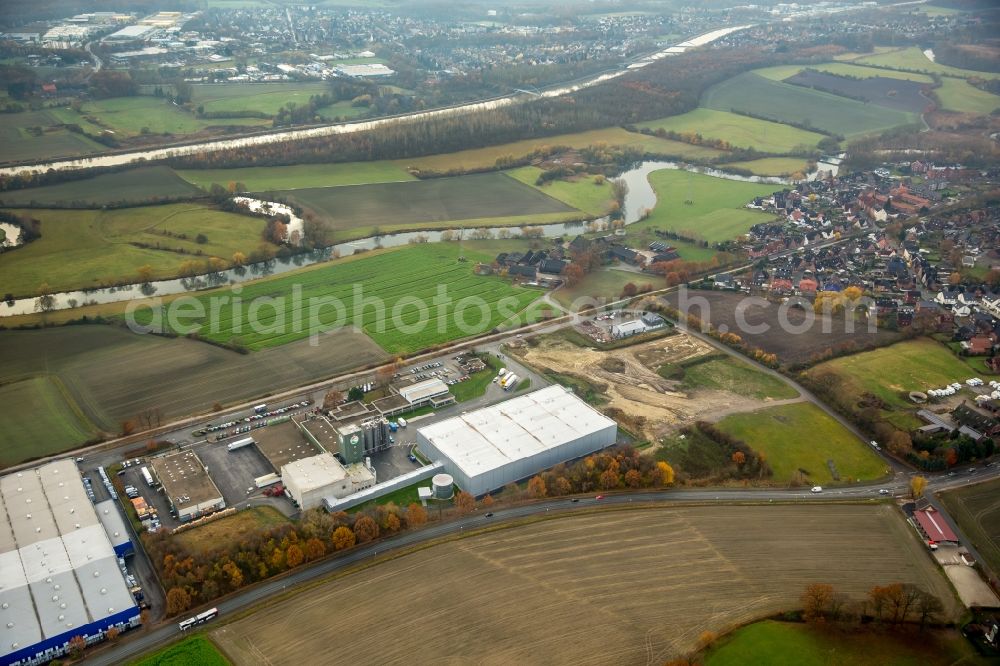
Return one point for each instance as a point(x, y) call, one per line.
point(393, 279)
point(110, 375)
point(786, 103)
point(627, 587)
point(741, 131)
point(135, 185)
point(299, 175)
point(475, 200)
point(976, 509)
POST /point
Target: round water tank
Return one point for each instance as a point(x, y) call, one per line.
point(442, 484)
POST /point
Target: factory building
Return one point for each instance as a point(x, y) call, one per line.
point(59, 575)
point(490, 447)
point(114, 526)
point(311, 480)
point(187, 485)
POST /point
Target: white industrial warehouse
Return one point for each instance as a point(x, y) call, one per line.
point(59, 574)
point(490, 447)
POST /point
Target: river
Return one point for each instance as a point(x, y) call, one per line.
point(640, 197)
point(119, 159)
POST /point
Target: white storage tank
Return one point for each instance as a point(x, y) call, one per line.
point(443, 485)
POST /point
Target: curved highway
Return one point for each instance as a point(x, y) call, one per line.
point(143, 640)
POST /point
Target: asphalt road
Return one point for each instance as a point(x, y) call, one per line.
point(136, 643)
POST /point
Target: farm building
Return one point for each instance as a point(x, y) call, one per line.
point(311, 480)
point(188, 487)
point(490, 447)
point(59, 575)
point(934, 527)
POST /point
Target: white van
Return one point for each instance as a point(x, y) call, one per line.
point(817, 489)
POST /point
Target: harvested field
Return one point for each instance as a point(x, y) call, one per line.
point(627, 379)
point(111, 375)
point(141, 185)
point(785, 103)
point(624, 587)
point(976, 509)
point(436, 203)
point(890, 93)
point(35, 411)
point(791, 348)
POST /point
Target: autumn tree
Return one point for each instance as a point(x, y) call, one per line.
point(573, 274)
point(464, 502)
point(392, 523)
point(488, 501)
point(816, 601)
point(666, 474)
point(536, 488)
point(239, 258)
point(917, 486)
point(314, 549)
point(706, 638)
point(366, 529)
point(739, 458)
point(343, 537)
point(77, 645)
point(332, 399)
point(416, 515)
point(112, 633)
point(234, 573)
point(630, 290)
point(294, 556)
point(633, 479)
point(178, 600)
point(144, 273)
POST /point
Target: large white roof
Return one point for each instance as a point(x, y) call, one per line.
point(522, 427)
point(314, 472)
point(58, 571)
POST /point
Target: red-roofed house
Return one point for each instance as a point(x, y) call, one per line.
point(934, 527)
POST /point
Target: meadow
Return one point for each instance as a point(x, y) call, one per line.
point(958, 95)
point(606, 284)
point(265, 98)
point(582, 192)
point(782, 72)
point(36, 410)
point(298, 176)
point(396, 278)
point(782, 102)
point(703, 207)
point(89, 248)
point(486, 158)
point(436, 203)
point(793, 644)
point(219, 533)
point(801, 437)
point(890, 373)
point(134, 186)
point(51, 140)
point(677, 572)
point(735, 376)
point(976, 509)
point(61, 386)
point(197, 649)
point(129, 116)
point(772, 166)
point(740, 131)
point(912, 59)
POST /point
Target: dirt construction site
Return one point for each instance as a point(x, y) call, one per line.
point(627, 379)
point(631, 586)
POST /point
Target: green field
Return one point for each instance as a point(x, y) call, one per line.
point(892, 372)
point(490, 199)
point(801, 436)
point(740, 131)
point(605, 283)
point(790, 644)
point(484, 158)
point(783, 102)
point(19, 144)
point(478, 382)
point(89, 248)
point(913, 59)
point(582, 192)
point(976, 509)
point(135, 185)
point(192, 650)
point(958, 95)
point(782, 72)
point(260, 97)
point(394, 279)
point(36, 410)
point(716, 211)
point(129, 115)
point(344, 110)
point(299, 176)
point(772, 166)
point(735, 376)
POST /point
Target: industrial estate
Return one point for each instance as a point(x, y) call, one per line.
point(621, 331)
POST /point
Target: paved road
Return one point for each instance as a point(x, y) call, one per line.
point(136, 643)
